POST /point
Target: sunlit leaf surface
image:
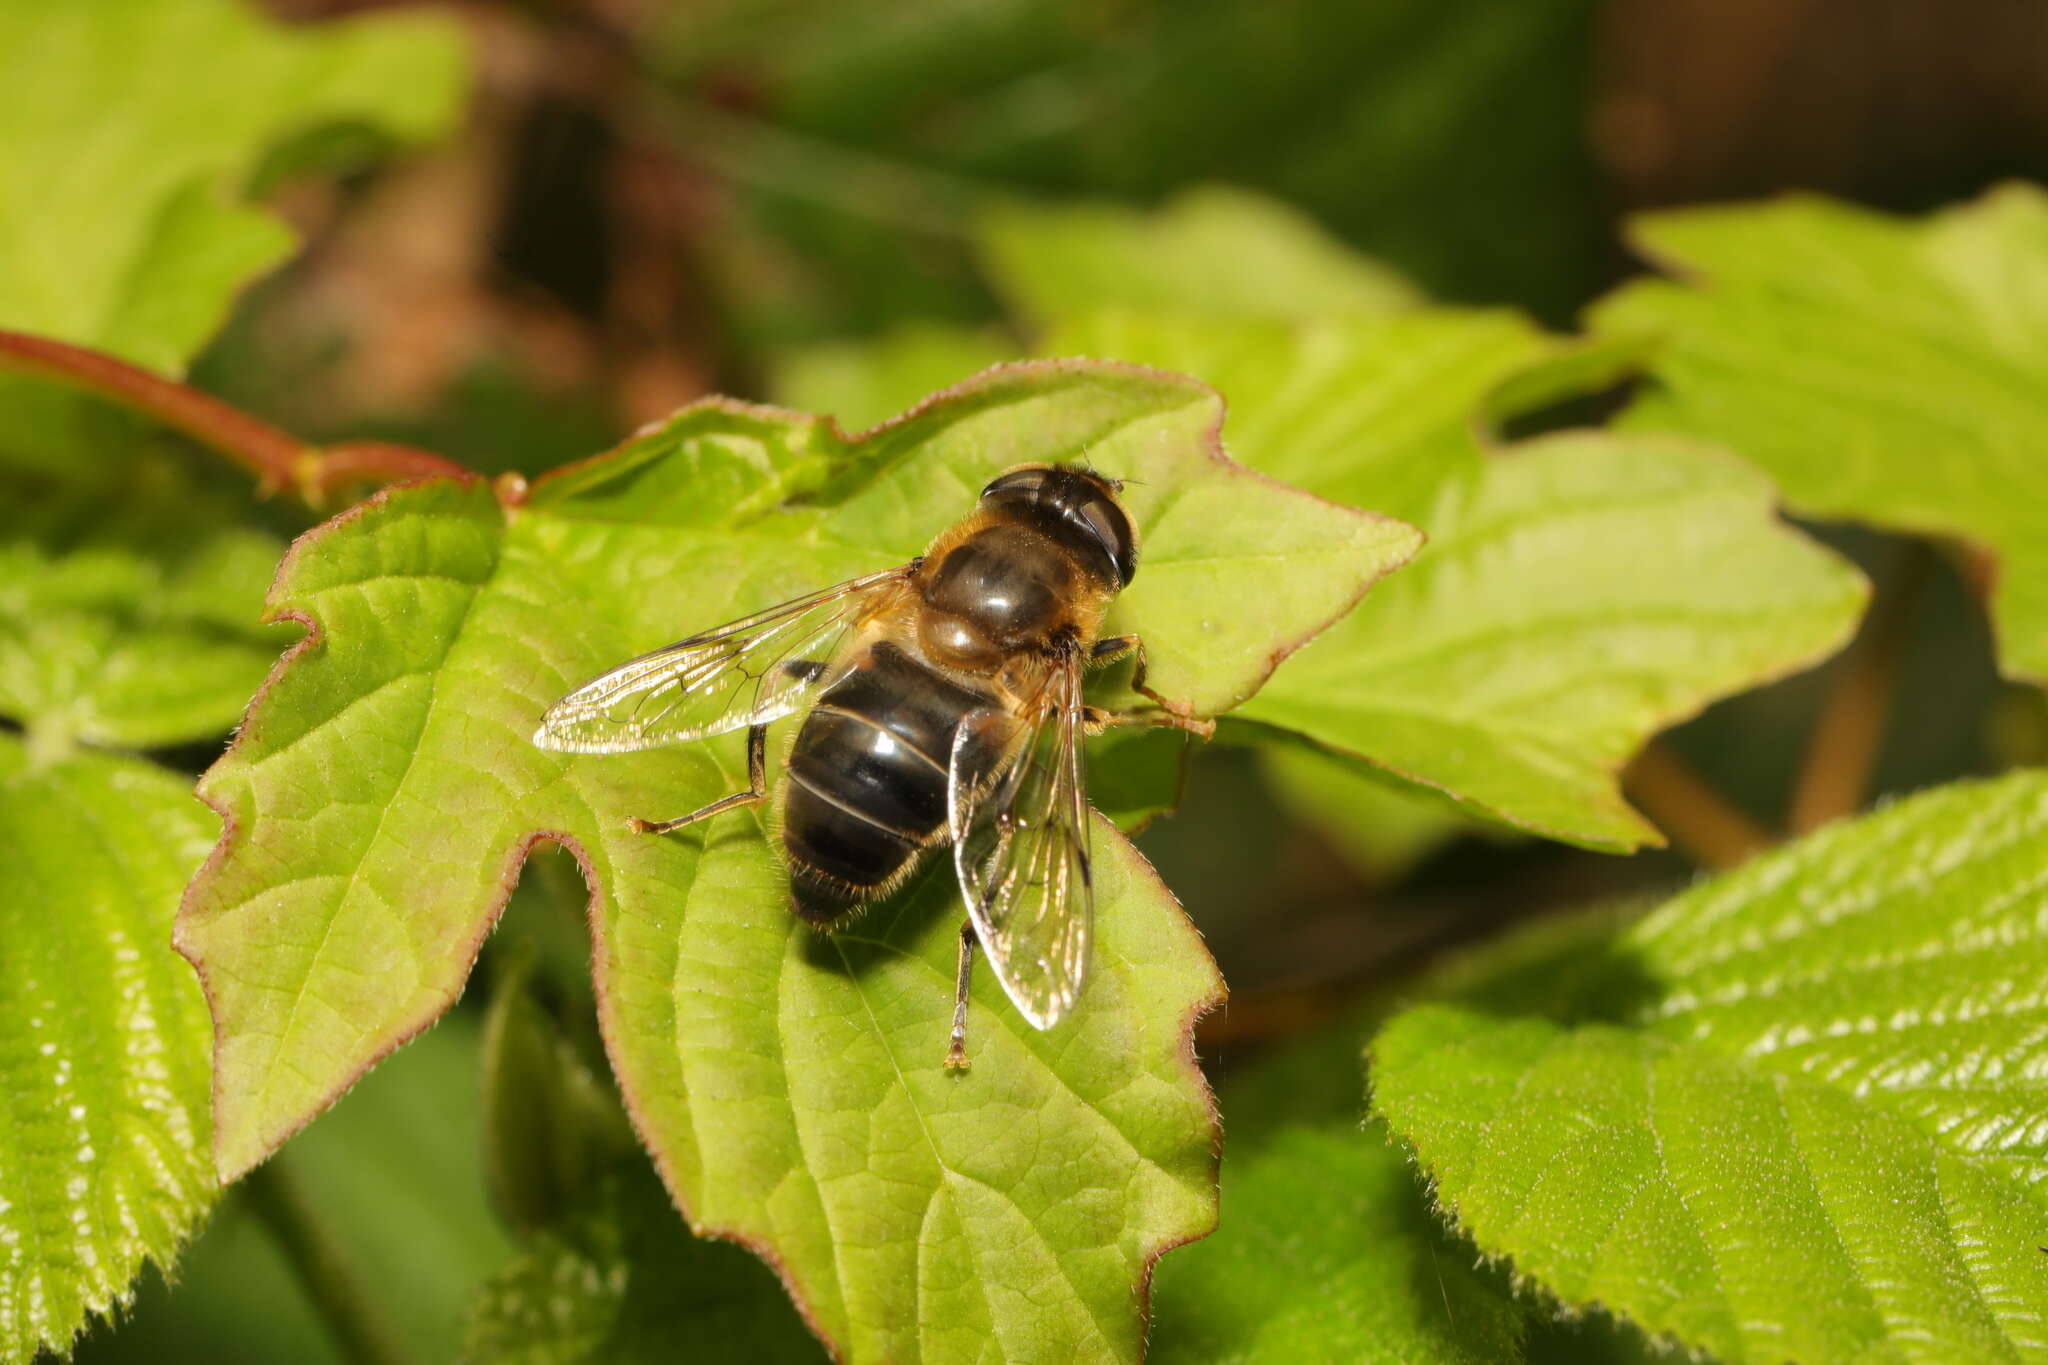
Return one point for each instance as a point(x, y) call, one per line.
point(103, 1074)
point(1595, 589)
point(1881, 371)
point(1797, 1113)
point(382, 793)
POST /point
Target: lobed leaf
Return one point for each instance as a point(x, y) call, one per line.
point(1594, 589)
point(1578, 593)
point(382, 794)
point(1879, 370)
point(121, 220)
point(1214, 250)
point(103, 1075)
point(389, 1179)
point(1370, 412)
point(1796, 1116)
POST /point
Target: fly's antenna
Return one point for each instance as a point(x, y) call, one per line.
point(1116, 485)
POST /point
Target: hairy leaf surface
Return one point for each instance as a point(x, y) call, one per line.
point(103, 1075)
point(382, 794)
point(131, 622)
point(133, 129)
point(1880, 370)
point(1798, 1113)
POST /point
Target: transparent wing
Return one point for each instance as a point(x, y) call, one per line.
point(748, 672)
point(1021, 848)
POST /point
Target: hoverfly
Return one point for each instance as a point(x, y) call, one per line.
point(944, 707)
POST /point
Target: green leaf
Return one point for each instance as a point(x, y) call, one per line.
point(1593, 589)
point(1797, 1114)
point(1880, 370)
point(395, 1175)
point(607, 1272)
point(382, 793)
point(1211, 250)
point(121, 225)
point(1381, 828)
point(1369, 412)
point(103, 1075)
point(868, 381)
point(552, 1124)
point(390, 1179)
point(1578, 593)
point(1327, 1251)
point(622, 1283)
point(131, 622)
point(1136, 775)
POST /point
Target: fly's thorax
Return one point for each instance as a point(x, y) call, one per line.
point(998, 586)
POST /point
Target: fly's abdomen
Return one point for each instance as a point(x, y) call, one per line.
point(866, 789)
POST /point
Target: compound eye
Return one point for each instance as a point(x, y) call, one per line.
point(1108, 524)
point(1028, 481)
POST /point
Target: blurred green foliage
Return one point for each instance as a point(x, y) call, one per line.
point(1446, 140)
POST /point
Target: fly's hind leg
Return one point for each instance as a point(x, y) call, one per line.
point(1176, 714)
point(956, 1051)
point(757, 787)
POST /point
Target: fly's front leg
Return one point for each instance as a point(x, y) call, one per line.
point(1177, 714)
point(956, 1051)
point(757, 779)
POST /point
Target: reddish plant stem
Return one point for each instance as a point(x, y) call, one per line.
point(278, 459)
point(1835, 775)
point(379, 462)
point(1699, 819)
